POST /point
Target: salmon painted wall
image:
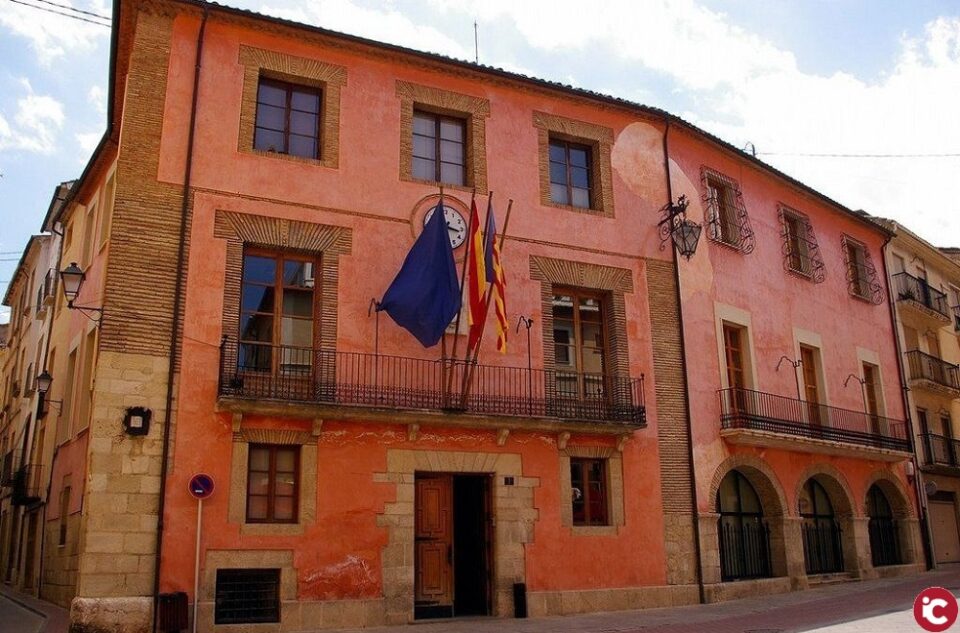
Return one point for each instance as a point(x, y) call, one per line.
point(777, 302)
point(366, 195)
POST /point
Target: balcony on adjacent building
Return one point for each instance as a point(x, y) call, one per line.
point(765, 419)
point(933, 374)
point(926, 303)
point(312, 383)
point(27, 485)
point(941, 451)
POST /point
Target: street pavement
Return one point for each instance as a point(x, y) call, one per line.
point(15, 618)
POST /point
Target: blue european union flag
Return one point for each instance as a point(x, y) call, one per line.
point(425, 295)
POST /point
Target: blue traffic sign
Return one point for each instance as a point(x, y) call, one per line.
point(201, 486)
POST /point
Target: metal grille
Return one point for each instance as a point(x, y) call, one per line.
point(942, 451)
point(744, 548)
point(397, 382)
point(923, 366)
point(884, 544)
point(734, 230)
point(862, 278)
point(247, 596)
point(822, 547)
point(801, 252)
point(910, 288)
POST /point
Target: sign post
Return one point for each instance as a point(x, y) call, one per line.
point(201, 487)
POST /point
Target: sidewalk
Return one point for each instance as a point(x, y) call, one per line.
point(54, 619)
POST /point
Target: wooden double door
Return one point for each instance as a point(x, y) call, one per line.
point(453, 545)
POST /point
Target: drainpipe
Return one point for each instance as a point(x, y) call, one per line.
point(904, 392)
point(686, 391)
point(177, 304)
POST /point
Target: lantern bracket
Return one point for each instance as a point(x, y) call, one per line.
point(675, 227)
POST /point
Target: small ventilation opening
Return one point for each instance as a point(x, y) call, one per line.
point(247, 596)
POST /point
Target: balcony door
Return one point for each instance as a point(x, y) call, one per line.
point(278, 308)
point(580, 344)
point(810, 361)
point(734, 354)
point(871, 384)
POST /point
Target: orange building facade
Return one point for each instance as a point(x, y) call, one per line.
point(642, 443)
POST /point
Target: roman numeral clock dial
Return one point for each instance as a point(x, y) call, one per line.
point(456, 225)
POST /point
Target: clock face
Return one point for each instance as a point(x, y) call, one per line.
point(456, 225)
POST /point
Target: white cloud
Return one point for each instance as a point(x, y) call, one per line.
point(35, 124)
point(98, 98)
point(50, 35)
point(88, 142)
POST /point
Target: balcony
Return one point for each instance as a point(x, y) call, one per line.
point(27, 485)
point(927, 304)
point(932, 374)
point(941, 451)
point(764, 419)
point(324, 384)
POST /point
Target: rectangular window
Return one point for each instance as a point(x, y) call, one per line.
point(439, 148)
point(247, 596)
point(810, 361)
point(797, 244)
point(63, 422)
point(726, 229)
point(570, 173)
point(579, 343)
point(277, 310)
point(588, 478)
point(734, 348)
point(89, 222)
point(85, 389)
point(106, 207)
point(273, 478)
point(871, 394)
point(288, 119)
point(64, 510)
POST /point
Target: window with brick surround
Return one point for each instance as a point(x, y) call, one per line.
point(288, 119)
point(440, 151)
point(588, 478)
point(273, 476)
point(580, 345)
point(570, 166)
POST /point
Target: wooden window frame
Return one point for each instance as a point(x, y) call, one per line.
point(271, 486)
point(584, 464)
point(567, 145)
point(289, 88)
point(578, 348)
point(741, 332)
point(797, 248)
point(438, 118)
point(280, 257)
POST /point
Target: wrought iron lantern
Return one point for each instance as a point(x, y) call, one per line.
point(44, 380)
point(678, 229)
point(71, 279)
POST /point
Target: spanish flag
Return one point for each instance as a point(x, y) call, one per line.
point(477, 282)
point(495, 276)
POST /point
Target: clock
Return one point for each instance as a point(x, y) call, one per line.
point(456, 225)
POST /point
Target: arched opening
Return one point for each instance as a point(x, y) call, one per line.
point(743, 533)
point(884, 532)
point(822, 545)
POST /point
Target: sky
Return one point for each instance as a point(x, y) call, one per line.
point(813, 85)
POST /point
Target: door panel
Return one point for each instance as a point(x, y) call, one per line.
point(946, 539)
point(434, 540)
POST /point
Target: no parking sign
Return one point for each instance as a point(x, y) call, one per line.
point(201, 486)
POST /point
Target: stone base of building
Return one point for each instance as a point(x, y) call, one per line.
point(893, 571)
point(111, 615)
point(548, 603)
point(736, 590)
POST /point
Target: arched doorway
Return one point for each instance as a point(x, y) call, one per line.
point(884, 536)
point(822, 546)
point(743, 534)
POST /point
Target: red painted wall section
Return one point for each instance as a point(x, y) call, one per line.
point(339, 556)
point(777, 302)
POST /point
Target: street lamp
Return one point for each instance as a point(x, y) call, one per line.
point(43, 382)
point(71, 280)
point(678, 229)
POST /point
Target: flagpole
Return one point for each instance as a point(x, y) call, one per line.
point(471, 365)
point(448, 381)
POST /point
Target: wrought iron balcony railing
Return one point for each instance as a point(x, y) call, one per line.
point(926, 367)
point(941, 450)
point(27, 485)
point(910, 288)
point(756, 410)
point(253, 371)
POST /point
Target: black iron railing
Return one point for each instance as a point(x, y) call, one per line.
point(27, 484)
point(822, 546)
point(955, 310)
point(397, 382)
point(941, 451)
point(748, 409)
point(926, 367)
point(744, 549)
point(884, 542)
point(910, 288)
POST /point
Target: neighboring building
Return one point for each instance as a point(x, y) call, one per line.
point(801, 444)
point(925, 288)
point(234, 236)
point(25, 466)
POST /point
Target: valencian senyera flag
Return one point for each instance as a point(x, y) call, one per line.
point(425, 295)
point(495, 276)
point(476, 279)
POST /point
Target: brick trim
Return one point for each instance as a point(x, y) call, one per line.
point(244, 229)
point(599, 138)
point(836, 485)
point(614, 281)
point(330, 78)
point(760, 475)
point(893, 488)
point(474, 109)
